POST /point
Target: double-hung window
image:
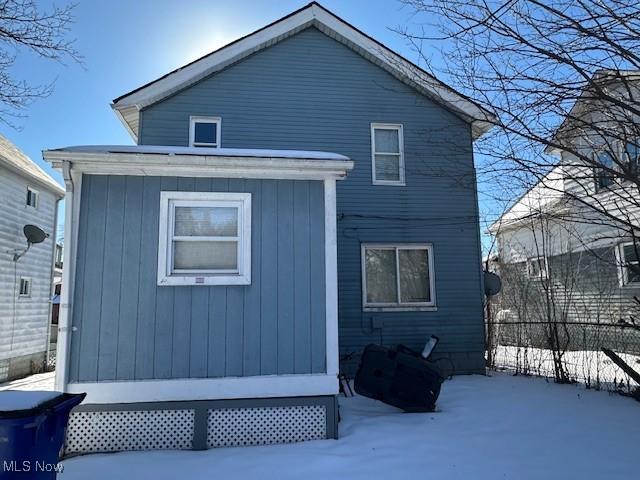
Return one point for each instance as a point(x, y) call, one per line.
point(205, 132)
point(24, 289)
point(632, 149)
point(205, 238)
point(537, 268)
point(387, 154)
point(397, 277)
point(603, 175)
point(629, 261)
point(32, 197)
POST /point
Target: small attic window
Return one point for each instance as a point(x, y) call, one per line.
point(204, 132)
point(32, 197)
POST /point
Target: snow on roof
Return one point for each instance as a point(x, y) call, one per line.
point(12, 157)
point(128, 106)
point(204, 151)
point(543, 195)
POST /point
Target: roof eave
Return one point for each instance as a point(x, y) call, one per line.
point(109, 163)
point(315, 14)
point(51, 186)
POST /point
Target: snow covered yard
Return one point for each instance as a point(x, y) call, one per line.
point(486, 427)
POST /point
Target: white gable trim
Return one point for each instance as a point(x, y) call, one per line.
point(129, 105)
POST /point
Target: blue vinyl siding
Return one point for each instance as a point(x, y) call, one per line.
point(129, 328)
point(310, 92)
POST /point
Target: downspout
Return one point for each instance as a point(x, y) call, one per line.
point(52, 288)
point(479, 246)
point(64, 319)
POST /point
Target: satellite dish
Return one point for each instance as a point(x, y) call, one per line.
point(34, 234)
point(492, 284)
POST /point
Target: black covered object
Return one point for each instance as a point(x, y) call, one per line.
point(399, 377)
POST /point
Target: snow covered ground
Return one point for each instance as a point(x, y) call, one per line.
point(486, 428)
point(590, 367)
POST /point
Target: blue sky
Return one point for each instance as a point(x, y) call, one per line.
point(126, 43)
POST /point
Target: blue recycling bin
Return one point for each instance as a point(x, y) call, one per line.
point(32, 428)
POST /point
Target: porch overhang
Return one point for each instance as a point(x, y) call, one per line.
point(201, 162)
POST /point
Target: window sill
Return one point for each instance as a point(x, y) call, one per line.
point(408, 308)
point(203, 281)
point(389, 184)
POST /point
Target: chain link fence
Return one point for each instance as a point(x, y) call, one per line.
point(568, 351)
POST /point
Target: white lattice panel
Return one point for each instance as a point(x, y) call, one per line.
point(129, 430)
point(265, 425)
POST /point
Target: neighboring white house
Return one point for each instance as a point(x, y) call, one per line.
point(553, 234)
point(28, 196)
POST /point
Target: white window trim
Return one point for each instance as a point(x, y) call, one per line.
point(37, 196)
point(398, 307)
point(623, 273)
point(544, 273)
point(192, 131)
point(202, 277)
point(28, 294)
point(388, 126)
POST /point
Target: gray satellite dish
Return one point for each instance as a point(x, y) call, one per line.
point(492, 284)
point(33, 235)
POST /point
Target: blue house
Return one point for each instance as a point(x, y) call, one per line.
point(291, 197)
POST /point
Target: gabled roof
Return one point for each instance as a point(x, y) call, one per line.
point(14, 159)
point(541, 197)
point(128, 106)
point(585, 101)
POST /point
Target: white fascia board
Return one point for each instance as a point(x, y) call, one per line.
point(199, 166)
point(185, 389)
point(324, 20)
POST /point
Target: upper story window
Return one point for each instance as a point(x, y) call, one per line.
point(204, 132)
point(24, 289)
point(629, 260)
point(205, 238)
point(387, 154)
point(32, 197)
point(537, 268)
point(604, 177)
point(397, 276)
point(632, 150)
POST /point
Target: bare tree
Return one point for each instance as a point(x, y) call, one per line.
point(26, 27)
point(560, 76)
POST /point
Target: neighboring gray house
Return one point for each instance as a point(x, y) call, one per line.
point(562, 235)
point(219, 259)
point(28, 196)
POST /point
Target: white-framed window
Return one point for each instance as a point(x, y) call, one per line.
point(387, 154)
point(603, 177)
point(632, 151)
point(205, 131)
point(629, 264)
point(537, 268)
point(205, 238)
point(32, 197)
point(397, 276)
point(24, 287)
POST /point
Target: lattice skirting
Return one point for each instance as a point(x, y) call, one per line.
point(199, 424)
